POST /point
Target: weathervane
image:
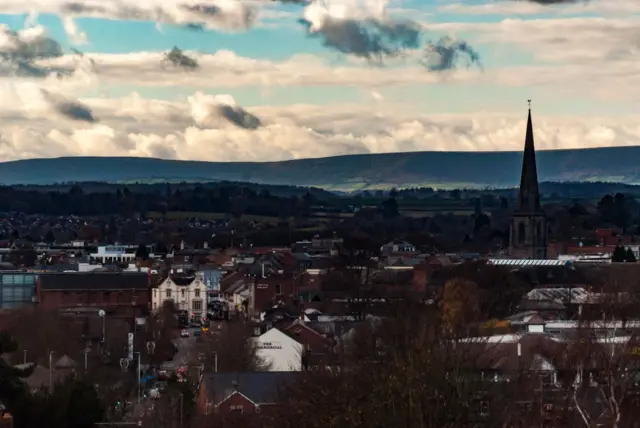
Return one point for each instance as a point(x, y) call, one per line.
point(529, 101)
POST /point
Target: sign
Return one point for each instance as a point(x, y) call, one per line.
point(268, 345)
point(130, 345)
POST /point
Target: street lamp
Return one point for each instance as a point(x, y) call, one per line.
point(102, 314)
point(51, 371)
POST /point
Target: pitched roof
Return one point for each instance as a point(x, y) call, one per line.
point(93, 281)
point(259, 387)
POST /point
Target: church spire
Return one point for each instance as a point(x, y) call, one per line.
point(529, 196)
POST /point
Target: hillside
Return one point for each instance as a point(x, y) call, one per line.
point(353, 172)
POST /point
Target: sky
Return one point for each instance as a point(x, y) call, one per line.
point(270, 80)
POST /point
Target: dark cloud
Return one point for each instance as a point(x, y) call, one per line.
point(194, 26)
point(239, 116)
point(552, 2)
point(69, 108)
point(446, 54)
point(178, 59)
point(81, 8)
point(371, 39)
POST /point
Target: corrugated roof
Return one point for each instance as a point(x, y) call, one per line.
point(528, 262)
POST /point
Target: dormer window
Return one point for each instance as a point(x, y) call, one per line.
point(197, 292)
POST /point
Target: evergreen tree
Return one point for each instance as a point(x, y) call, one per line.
point(619, 255)
point(142, 253)
point(630, 257)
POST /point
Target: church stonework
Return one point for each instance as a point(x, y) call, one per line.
point(528, 231)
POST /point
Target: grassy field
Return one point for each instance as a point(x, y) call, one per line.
point(432, 213)
point(183, 215)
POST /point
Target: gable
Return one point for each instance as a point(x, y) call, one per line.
point(276, 336)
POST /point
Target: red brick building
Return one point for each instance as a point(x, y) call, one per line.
point(247, 394)
point(108, 290)
point(270, 289)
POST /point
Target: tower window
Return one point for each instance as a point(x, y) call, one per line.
point(539, 232)
point(522, 233)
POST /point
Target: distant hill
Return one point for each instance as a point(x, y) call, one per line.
point(353, 172)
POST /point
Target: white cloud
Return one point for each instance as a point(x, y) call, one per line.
point(77, 36)
point(133, 126)
point(511, 8)
point(213, 14)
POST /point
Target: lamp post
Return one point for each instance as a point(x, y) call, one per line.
point(138, 374)
point(51, 371)
point(102, 314)
point(181, 404)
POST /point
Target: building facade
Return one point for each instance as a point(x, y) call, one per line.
point(528, 229)
point(99, 289)
point(17, 289)
point(188, 293)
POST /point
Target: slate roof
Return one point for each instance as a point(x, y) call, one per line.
point(259, 387)
point(93, 281)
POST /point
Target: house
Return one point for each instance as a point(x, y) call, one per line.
point(189, 293)
point(397, 247)
point(100, 289)
point(282, 352)
point(247, 394)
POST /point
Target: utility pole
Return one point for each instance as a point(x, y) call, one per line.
point(51, 371)
point(138, 374)
point(181, 404)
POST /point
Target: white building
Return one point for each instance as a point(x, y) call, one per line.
point(114, 254)
point(187, 293)
point(281, 352)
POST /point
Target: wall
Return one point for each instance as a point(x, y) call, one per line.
point(265, 291)
point(279, 350)
point(57, 299)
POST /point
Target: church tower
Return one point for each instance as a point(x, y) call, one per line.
point(528, 233)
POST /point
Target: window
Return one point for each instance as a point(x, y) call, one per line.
point(155, 293)
point(197, 305)
point(197, 292)
point(237, 408)
point(278, 289)
point(168, 293)
point(182, 292)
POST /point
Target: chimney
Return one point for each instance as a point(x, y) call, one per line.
point(182, 244)
point(263, 271)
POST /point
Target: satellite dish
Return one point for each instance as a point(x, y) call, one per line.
point(101, 313)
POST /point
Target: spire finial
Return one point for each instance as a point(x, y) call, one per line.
point(529, 101)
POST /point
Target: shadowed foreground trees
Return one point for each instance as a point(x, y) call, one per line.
point(407, 374)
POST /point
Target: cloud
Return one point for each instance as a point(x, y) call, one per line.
point(196, 129)
point(77, 36)
point(179, 59)
point(445, 54)
point(71, 109)
point(225, 15)
point(27, 44)
point(206, 111)
point(360, 29)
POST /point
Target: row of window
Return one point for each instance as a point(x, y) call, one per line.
point(17, 279)
point(196, 305)
point(169, 293)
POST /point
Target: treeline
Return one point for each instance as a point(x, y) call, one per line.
point(234, 199)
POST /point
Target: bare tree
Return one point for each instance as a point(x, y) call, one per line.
point(229, 348)
point(407, 374)
point(601, 360)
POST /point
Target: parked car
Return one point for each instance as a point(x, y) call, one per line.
point(197, 332)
